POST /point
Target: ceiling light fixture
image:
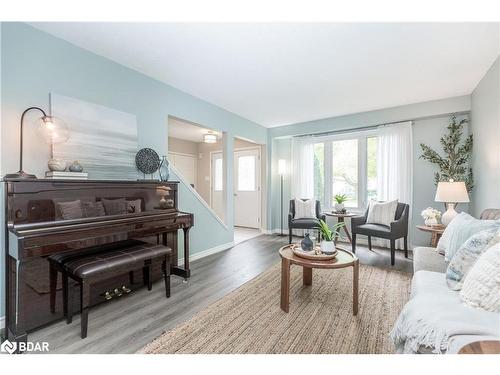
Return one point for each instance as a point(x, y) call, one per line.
point(210, 138)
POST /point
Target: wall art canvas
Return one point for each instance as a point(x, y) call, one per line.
point(102, 139)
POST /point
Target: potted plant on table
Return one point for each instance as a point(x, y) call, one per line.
point(328, 236)
point(431, 216)
point(339, 202)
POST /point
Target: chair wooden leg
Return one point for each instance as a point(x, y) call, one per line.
point(53, 287)
point(353, 242)
point(289, 235)
point(406, 246)
point(370, 243)
point(131, 277)
point(85, 303)
point(393, 252)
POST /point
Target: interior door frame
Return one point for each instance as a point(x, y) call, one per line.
point(259, 176)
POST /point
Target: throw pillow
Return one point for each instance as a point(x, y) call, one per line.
point(305, 209)
point(481, 287)
point(466, 256)
point(459, 230)
point(70, 210)
point(93, 209)
point(382, 212)
point(134, 206)
point(115, 206)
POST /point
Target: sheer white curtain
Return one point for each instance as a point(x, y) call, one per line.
point(395, 165)
point(302, 171)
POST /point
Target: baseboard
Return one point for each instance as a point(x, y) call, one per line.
point(207, 252)
point(2, 322)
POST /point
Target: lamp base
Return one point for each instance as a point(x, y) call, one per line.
point(20, 175)
point(449, 215)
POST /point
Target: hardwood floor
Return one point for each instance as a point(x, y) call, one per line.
point(129, 323)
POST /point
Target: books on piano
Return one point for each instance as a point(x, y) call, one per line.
point(66, 175)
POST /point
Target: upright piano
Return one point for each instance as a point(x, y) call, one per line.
point(41, 220)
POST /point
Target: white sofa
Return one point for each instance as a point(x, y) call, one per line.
point(429, 291)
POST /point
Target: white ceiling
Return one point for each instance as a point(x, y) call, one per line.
point(187, 131)
point(277, 74)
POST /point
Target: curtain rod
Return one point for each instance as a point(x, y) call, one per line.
point(372, 127)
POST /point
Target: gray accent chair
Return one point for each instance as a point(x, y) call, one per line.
point(398, 229)
point(311, 223)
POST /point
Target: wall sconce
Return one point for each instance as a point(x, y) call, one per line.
point(52, 129)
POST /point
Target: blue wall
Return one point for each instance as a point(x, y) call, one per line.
point(34, 63)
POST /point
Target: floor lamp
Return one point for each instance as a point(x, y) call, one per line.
point(281, 172)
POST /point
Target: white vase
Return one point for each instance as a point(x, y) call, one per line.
point(430, 221)
point(339, 207)
point(56, 165)
point(327, 247)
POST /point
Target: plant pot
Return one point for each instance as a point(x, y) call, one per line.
point(339, 207)
point(327, 247)
point(431, 221)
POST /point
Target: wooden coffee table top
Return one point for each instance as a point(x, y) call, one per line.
point(343, 259)
point(481, 347)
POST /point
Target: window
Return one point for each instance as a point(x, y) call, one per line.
point(346, 164)
point(218, 185)
point(345, 170)
point(246, 173)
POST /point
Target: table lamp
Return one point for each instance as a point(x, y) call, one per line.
point(451, 193)
point(52, 129)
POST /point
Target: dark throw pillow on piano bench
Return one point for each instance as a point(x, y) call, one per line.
point(70, 210)
point(93, 209)
point(115, 206)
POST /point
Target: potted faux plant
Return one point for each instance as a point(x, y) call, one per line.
point(340, 199)
point(328, 236)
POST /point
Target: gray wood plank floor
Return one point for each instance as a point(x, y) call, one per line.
point(127, 324)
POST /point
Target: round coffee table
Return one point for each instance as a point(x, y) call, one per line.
point(344, 259)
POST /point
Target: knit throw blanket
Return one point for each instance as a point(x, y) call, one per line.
point(433, 321)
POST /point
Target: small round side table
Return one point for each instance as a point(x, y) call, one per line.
point(340, 219)
point(436, 232)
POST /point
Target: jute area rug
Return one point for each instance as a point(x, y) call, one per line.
point(249, 319)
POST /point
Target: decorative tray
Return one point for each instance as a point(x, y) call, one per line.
point(314, 254)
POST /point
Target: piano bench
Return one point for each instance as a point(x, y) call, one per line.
point(94, 268)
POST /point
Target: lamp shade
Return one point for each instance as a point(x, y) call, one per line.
point(281, 166)
point(53, 130)
point(451, 192)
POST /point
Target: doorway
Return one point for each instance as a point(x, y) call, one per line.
point(247, 188)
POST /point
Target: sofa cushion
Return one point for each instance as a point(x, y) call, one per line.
point(304, 223)
point(429, 282)
point(373, 229)
point(466, 256)
point(305, 209)
point(428, 259)
point(459, 230)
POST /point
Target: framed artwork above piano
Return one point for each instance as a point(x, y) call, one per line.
point(47, 217)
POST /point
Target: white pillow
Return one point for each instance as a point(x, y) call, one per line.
point(305, 209)
point(481, 287)
point(382, 212)
point(461, 228)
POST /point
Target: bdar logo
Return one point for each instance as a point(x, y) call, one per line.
point(8, 347)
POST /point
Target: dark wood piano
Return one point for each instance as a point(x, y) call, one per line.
point(39, 224)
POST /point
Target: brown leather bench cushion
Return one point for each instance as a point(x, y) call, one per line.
point(110, 263)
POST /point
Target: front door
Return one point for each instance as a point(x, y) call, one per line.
point(247, 188)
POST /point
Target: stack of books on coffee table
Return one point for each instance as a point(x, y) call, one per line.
point(55, 175)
